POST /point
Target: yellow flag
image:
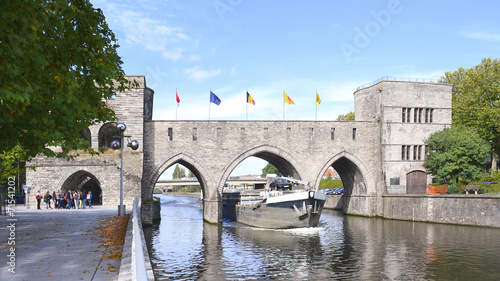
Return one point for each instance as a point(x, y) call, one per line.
point(318, 100)
point(288, 99)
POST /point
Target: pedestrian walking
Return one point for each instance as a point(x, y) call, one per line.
point(67, 196)
point(89, 198)
point(54, 198)
point(46, 199)
point(38, 198)
point(81, 196)
point(76, 199)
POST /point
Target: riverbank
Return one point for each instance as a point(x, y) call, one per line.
point(183, 194)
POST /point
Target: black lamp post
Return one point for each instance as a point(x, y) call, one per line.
point(120, 128)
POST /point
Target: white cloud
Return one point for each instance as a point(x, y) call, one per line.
point(198, 74)
point(141, 29)
point(194, 58)
point(482, 35)
point(173, 54)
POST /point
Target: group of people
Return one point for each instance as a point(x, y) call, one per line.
point(65, 200)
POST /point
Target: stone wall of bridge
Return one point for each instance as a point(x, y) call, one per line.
point(378, 153)
point(300, 149)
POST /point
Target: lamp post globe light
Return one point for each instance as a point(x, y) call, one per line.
point(117, 144)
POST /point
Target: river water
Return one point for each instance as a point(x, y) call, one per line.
point(183, 247)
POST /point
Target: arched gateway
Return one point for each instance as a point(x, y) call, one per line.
point(376, 154)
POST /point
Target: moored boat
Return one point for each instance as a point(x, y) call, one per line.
point(277, 206)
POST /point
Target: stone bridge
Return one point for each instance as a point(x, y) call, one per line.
point(381, 152)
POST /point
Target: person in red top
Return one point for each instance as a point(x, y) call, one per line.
point(38, 199)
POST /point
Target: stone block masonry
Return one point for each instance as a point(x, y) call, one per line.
point(380, 152)
point(477, 210)
point(101, 174)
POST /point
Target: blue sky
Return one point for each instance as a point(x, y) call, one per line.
point(300, 47)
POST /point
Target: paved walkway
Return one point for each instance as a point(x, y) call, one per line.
point(55, 245)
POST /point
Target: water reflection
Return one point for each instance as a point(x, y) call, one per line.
point(340, 248)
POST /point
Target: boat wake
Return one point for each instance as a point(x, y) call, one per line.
point(302, 231)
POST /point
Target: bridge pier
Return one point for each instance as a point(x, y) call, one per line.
point(212, 210)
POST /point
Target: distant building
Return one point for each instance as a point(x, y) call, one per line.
point(332, 173)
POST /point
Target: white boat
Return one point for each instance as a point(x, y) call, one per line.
point(276, 206)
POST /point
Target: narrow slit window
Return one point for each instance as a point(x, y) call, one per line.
point(332, 134)
point(195, 134)
point(403, 114)
point(311, 133)
point(170, 134)
point(430, 115)
point(353, 133)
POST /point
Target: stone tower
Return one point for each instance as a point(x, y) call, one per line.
point(408, 112)
point(101, 174)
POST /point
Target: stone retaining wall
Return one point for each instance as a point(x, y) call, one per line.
point(334, 202)
point(478, 210)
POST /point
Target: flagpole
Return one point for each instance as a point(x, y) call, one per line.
point(246, 102)
point(209, 102)
point(177, 105)
point(316, 105)
point(283, 104)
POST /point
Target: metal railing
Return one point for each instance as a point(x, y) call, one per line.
point(398, 79)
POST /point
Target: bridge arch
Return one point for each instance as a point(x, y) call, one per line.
point(354, 175)
point(284, 161)
point(84, 181)
point(187, 161)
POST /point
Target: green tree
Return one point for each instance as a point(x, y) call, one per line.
point(454, 153)
point(346, 117)
point(12, 163)
point(270, 169)
point(179, 172)
point(191, 174)
point(58, 63)
point(476, 101)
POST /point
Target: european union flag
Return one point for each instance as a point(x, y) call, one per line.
point(213, 98)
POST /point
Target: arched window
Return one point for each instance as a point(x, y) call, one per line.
point(106, 134)
point(85, 134)
point(86, 139)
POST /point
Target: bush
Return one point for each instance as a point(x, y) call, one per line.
point(453, 189)
point(490, 188)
